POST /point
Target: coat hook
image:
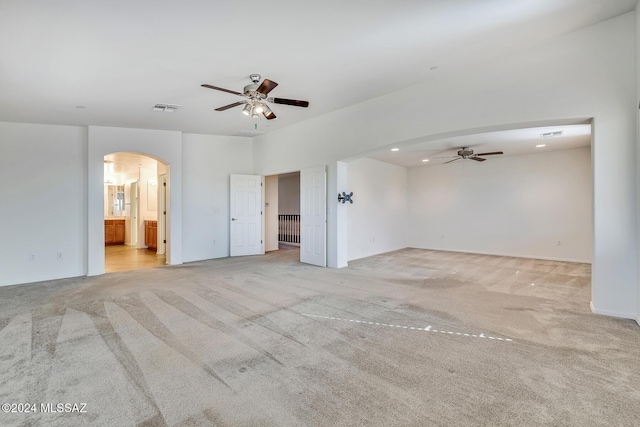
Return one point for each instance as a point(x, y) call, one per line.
point(344, 197)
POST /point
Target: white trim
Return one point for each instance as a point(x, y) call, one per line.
point(612, 313)
point(503, 254)
point(263, 213)
point(381, 253)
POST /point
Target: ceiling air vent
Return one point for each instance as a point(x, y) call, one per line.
point(167, 108)
point(551, 134)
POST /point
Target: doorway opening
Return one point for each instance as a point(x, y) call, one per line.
point(282, 213)
point(295, 219)
point(530, 195)
point(135, 206)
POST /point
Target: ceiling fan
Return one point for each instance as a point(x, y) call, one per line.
point(256, 98)
point(468, 154)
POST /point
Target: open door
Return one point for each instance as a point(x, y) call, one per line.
point(313, 216)
point(245, 215)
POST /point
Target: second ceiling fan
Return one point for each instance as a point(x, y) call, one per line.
point(256, 99)
point(468, 154)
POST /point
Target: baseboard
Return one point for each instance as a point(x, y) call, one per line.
point(580, 261)
point(377, 253)
point(613, 313)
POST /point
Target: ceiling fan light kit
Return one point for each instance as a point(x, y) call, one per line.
point(256, 98)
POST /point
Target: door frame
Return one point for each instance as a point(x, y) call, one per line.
point(134, 207)
point(326, 208)
point(161, 244)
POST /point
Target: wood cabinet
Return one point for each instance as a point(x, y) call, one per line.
point(114, 231)
point(151, 234)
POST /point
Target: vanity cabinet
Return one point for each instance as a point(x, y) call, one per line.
point(114, 231)
point(151, 234)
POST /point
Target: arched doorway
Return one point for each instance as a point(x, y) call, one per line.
point(134, 211)
point(164, 146)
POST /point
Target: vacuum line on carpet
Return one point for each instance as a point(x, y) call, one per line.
point(429, 328)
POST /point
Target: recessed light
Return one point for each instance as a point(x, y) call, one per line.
point(434, 68)
point(80, 107)
point(541, 145)
point(395, 149)
point(425, 160)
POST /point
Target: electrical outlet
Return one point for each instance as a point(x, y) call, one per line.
point(59, 255)
point(214, 241)
point(442, 236)
point(32, 257)
point(559, 243)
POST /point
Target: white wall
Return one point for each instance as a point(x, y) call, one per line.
point(271, 198)
point(589, 73)
point(378, 217)
point(637, 19)
point(289, 194)
point(162, 145)
point(511, 205)
point(43, 202)
point(208, 161)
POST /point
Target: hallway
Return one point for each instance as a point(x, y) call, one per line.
point(126, 258)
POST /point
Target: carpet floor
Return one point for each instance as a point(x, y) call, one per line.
point(408, 338)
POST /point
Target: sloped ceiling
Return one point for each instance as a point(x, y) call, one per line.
point(117, 59)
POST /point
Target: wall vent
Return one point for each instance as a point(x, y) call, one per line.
point(551, 134)
point(166, 108)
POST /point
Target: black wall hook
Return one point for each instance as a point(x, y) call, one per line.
point(344, 197)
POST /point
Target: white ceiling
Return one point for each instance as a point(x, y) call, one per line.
point(125, 166)
point(119, 58)
point(510, 142)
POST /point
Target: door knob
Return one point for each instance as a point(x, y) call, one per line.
point(234, 219)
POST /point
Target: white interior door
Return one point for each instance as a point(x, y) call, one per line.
point(313, 216)
point(245, 215)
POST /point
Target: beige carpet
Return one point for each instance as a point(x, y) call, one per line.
point(409, 338)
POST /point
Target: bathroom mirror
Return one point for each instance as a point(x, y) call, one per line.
point(115, 199)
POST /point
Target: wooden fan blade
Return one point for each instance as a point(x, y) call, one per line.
point(226, 107)
point(490, 154)
point(269, 116)
point(266, 86)
point(293, 102)
point(222, 89)
point(477, 159)
point(452, 160)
